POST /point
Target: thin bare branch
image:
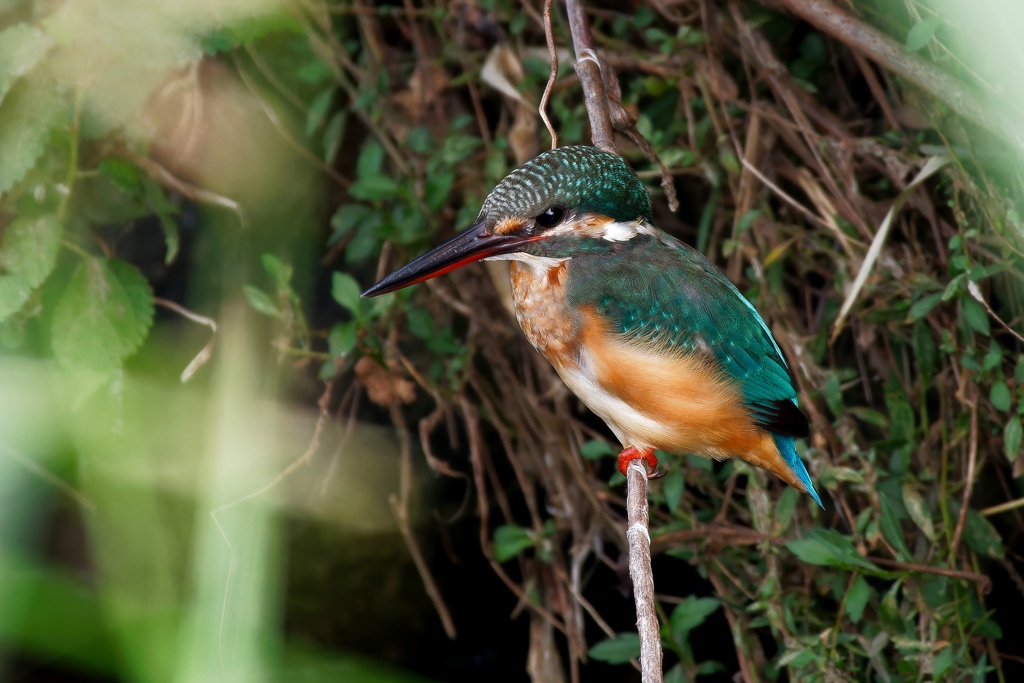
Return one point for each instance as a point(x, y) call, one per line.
point(588, 69)
point(641, 573)
point(543, 108)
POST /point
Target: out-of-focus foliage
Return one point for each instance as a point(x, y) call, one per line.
point(252, 166)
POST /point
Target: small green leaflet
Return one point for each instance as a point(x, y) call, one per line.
point(510, 540)
point(673, 485)
point(857, 598)
point(595, 449)
point(27, 116)
point(691, 613)
point(617, 650)
point(979, 532)
point(21, 48)
point(1000, 396)
point(829, 548)
point(1012, 438)
point(28, 253)
point(102, 317)
point(920, 33)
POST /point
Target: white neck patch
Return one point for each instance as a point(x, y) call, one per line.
point(539, 264)
point(614, 231)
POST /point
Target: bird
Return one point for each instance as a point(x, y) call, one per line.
point(650, 335)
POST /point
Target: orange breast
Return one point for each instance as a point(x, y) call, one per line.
point(539, 296)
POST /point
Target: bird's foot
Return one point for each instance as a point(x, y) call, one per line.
point(647, 454)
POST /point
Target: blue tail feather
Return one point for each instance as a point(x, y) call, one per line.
point(787, 447)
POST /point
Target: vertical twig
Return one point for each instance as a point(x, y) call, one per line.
point(592, 80)
point(588, 70)
point(641, 573)
point(550, 38)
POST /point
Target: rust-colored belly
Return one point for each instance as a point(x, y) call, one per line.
point(539, 296)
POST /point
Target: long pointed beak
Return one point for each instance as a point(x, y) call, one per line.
point(472, 244)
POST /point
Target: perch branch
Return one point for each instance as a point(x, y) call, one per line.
point(594, 81)
point(588, 69)
point(641, 573)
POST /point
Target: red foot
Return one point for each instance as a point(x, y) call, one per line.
point(633, 453)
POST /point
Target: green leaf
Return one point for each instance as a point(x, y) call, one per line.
point(857, 598)
point(420, 322)
point(890, 525)
point(994, 358)
point(261, 301)
point(872, 417)
point(510, 540)
point(917, 510)
point(102, 317)
point(1000, 396)
point(595, 449)
point(1012, 439)
point(675, 674)
point(317, 110)
point(924, 306)
point(250, 29)
point(673, 485)
point(942, 662)
point(833, 394)
point(829, 548)
point(797, 658)
point(124, 174)
point(333, 133)
point(277, 269)
point(27, 116)
point(373, 188)
point(979, 532)
point(342, 339)
point(345, 291)
point(924, 352)
point(784, 509)
point(691, 613)
point(436, 189)
point(920, 33)
point(617, 650)
point(21, 48)
point(975, 316)
point(28, 254)
point(347, 217)
point(747, 220)
point(371, 158)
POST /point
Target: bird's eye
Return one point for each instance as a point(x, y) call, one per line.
point(551, 217)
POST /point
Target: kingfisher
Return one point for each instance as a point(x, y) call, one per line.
point(644, 329)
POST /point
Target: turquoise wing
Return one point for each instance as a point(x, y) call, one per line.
point(656, 289)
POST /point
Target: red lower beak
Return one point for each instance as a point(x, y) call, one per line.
point(468, 246)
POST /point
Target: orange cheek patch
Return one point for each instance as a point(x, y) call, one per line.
point(508, 225)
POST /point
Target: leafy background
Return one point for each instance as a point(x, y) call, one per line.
point(217, 462)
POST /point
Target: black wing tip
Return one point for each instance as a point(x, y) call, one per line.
point(784, 417)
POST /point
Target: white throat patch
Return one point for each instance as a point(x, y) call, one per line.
point(539, 264)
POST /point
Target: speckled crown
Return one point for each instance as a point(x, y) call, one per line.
point(570, 177)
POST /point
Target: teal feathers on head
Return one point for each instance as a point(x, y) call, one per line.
point(579, 177)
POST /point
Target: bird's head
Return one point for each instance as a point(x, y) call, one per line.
point(553, 206)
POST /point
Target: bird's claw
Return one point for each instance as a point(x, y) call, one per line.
point(631, 453)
